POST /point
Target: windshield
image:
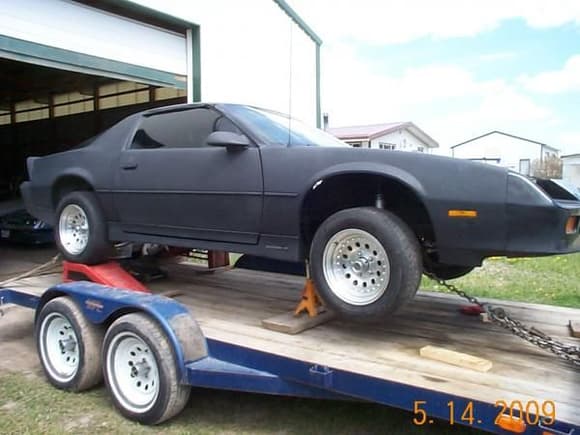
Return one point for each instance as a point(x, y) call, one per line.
point(278, 129)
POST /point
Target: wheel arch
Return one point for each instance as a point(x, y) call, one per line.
point(370, 179)
point(70, 182)
point(103, 305)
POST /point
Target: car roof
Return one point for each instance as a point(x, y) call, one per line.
point(174, 108)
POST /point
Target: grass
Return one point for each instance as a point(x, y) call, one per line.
point(547, 280)
point(29, 405)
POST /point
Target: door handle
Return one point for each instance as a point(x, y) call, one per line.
point(129, 165)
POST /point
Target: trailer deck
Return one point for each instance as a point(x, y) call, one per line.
point(230, 306)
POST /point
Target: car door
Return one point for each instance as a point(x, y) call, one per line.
point(171, 183)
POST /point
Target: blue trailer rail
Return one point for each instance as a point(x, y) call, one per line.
point(219, 364)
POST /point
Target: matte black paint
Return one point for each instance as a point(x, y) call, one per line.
point(250, 200)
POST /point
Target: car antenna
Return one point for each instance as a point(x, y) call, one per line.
point(290, 87)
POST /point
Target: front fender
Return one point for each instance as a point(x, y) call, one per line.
point(379, 169)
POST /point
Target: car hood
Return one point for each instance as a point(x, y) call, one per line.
point(418, 161)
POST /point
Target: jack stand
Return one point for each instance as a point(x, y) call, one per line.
point(310, 301)
point(292, 322)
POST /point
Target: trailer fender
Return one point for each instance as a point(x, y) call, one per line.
point(102, 305)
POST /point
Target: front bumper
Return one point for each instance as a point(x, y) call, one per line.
point(541, 230)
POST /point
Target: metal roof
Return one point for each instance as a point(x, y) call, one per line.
point(506, 134)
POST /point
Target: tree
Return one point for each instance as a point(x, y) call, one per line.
point(549, 167)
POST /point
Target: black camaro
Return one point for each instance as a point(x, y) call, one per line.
point(242, 179)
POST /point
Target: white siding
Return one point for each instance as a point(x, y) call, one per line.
point(253, 53)
point(403, 141)
point(571, 170)
point(75, 27)
point(509, 151)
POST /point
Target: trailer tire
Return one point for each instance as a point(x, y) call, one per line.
point(68, 345)
point(141, 371)
point(366, 263)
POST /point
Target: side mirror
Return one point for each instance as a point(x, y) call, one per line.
point(228, 139)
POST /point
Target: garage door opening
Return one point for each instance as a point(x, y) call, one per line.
point(46, 110)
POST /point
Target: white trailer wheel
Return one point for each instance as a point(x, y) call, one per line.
point(68, 346)
point(134, 376)
point(141, 370)
point(59, 347)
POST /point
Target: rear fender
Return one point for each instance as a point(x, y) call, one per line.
point(101, 305)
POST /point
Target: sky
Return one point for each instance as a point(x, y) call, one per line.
point(456, 68)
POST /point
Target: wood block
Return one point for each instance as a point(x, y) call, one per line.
point(288, 323)
point(456, 358)
point(575, 328)
point(484, 318)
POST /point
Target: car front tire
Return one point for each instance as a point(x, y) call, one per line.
point(366, 263)
point(80, 229)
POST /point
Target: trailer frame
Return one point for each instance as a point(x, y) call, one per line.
point(230, 366)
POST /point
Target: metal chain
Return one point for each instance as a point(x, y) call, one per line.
point(498, 316)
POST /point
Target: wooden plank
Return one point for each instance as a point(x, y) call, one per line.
point(436, 377)
point(359, 351)
point(288, 323)
point(456, 358)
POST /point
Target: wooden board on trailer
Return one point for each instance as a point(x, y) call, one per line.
point(290, 323)
point(230, 306)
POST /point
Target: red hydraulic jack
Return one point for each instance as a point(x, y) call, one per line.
point(113, 275)
point(110, 274)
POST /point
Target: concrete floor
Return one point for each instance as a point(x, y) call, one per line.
point(16, 259)
point(17, 323)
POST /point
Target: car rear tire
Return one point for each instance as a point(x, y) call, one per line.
point(69, 346)
point(81, 231)
point(140, 370)
point(366, 263)
point(448, 271)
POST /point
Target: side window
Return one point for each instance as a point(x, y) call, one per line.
point(179, 129)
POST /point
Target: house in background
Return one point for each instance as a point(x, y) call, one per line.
point(503, 149)
point(400, 136)
point(571, 169)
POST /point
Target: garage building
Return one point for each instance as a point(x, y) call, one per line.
point(70, 69)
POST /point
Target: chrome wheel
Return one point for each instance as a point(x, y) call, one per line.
point(59, 347)
point(133, 373)
point(356, 267)
point(73, 229)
